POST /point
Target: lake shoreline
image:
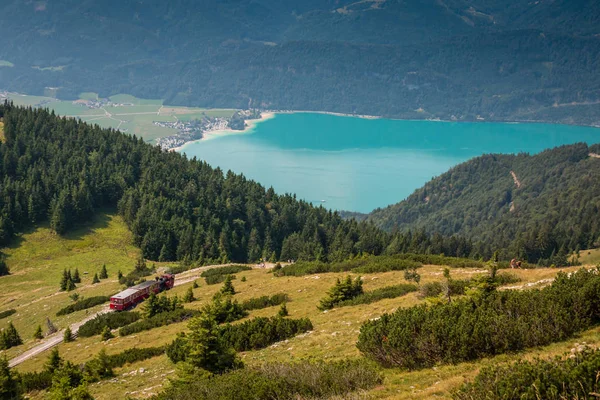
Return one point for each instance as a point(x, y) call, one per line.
point(249, 125)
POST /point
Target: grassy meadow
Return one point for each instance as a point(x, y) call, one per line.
point(132, 115)
point(38, 257)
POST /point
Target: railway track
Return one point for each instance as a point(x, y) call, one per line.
point(57, 338)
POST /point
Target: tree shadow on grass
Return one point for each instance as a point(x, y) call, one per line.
point(99, 220)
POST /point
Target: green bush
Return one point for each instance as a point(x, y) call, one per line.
point(388, 292)
point(158, 320)
point(373, 264)
point(257, 303)
point(386, 264)
point(111, 320)
point(217, 275)
point(31, 381)
point(456, 287)
point(261, 332)
point(341, 291)
point(83, 304)
point(506, 279)
point(224, 309)
point(489, 324)
point(7, 313)
point(303, 380)
point(571, 378)
point(130, 356)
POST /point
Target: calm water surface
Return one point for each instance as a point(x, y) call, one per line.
point(348, 163)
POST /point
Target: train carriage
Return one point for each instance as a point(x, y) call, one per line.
point(135, 294)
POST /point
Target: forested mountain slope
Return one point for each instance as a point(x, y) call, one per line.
point(452, 59)
point(533, 207)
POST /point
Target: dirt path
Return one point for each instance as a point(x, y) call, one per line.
point(516, 179)
point(57, 338)
point(594, 155)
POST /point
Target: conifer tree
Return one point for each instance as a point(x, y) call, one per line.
point(106, 334)
point(71, 285)
point(10, 388)
point(119, 275)
point(283, 311)
point(228, 286)
point(51, 328)
point(68, 335)
point(189, 296)
point(195, 285)
point(54, 361)
point(64, 281)
point(76, 277)
point(207, 348)
point(38, 334)
point(95, 279)
point(4, 270)
point(103, 272)
point(10, 337)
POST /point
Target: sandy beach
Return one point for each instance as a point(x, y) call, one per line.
point(250, 124)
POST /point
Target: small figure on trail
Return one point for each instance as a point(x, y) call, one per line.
point(515, 264)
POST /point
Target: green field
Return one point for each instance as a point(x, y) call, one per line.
point(127, 98)
point(38, 258)
point(134, 116)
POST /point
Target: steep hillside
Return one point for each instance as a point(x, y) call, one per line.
point(533, 207)
point(458, 59)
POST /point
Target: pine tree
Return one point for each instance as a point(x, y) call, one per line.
point(106, 334)
point(140, 265)
point(195, 285)
point(4, 270)
point(9, 382)
point(54, 361)
point(95, 279)
point(64, 281)
point(119, 275)
point(76, 277)
point(103, 272)
point(207, 348)
point(164, 254)
point(189, 296)
point(103, 366)
point(38, 333)
point(51, 328)
point(228, 286)
point(71, 285)
point(283, 311)
point(10, 337)
point(68, 336)
point(151, 306)
point(243, 279)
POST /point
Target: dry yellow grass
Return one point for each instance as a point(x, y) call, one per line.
point(334, 335)
point(38, 258)
point(2, 132)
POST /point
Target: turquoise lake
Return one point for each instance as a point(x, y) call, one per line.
point(348, 163)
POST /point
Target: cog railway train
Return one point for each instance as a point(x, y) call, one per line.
point(135, 294)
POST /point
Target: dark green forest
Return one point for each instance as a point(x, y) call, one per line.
point(554, 211)
point(456, 59)
point(59, 171)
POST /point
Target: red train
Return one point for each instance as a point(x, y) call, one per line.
point(135, 294)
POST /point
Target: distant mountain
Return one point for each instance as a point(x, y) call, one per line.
point(449, 59)
point(532, 207)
